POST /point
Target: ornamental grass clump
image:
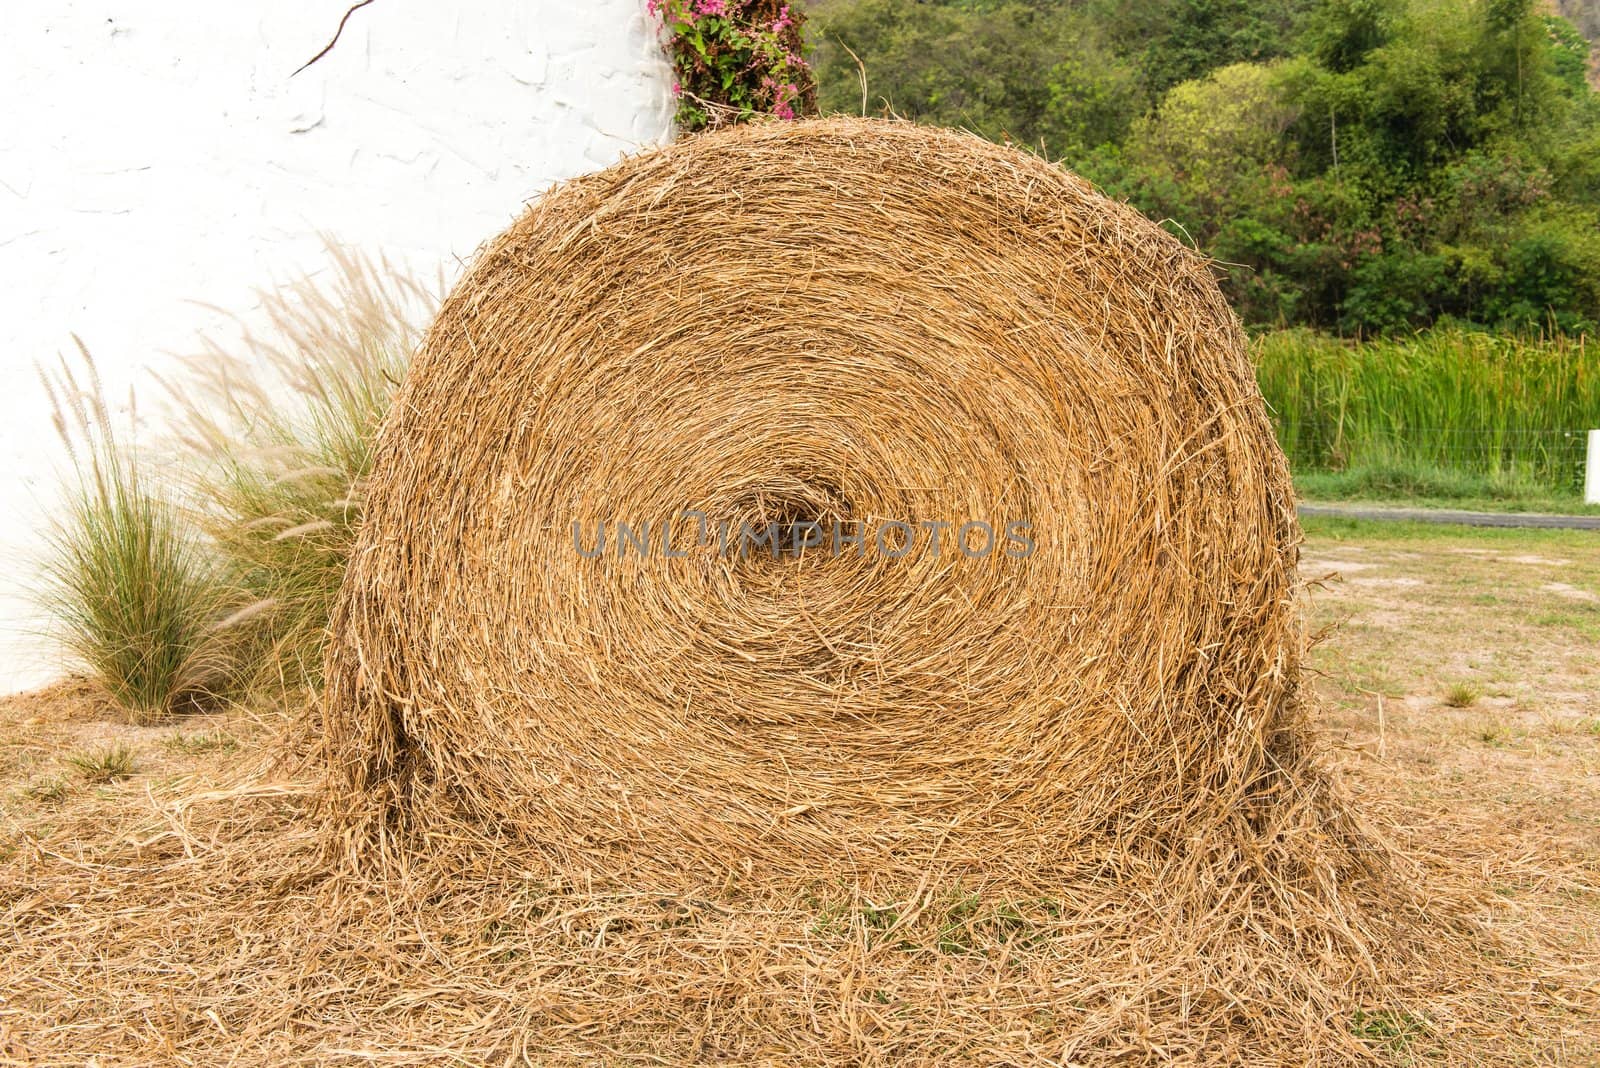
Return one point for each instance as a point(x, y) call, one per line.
point(279, 425)
point(133, 593)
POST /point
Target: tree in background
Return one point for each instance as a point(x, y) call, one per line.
point(1357, 165)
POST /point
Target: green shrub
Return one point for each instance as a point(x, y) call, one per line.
point(735, 59)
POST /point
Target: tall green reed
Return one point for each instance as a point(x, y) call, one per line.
point(1511, 410)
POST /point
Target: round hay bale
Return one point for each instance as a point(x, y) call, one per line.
point(855, 324)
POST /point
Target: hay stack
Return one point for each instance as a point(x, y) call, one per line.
point(832, 321)
point(814, 809)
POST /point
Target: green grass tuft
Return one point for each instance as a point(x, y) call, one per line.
point(1386, 1029)
point(104, 765)
point(196, 744)
point(50, 791)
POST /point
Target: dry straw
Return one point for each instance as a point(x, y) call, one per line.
point(1053, 809)
point(839, 321)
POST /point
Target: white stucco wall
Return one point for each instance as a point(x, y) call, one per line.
point(157, 155)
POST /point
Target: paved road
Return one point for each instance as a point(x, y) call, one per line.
point(1471, 519)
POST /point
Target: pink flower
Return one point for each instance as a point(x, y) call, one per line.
point(784, 21)
point(710, 7)
point(784, 111)
point(677, 89)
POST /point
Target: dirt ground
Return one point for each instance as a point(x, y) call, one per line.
point(1461, 671)
point(1460, 676)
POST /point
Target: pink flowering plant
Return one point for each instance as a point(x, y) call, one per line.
point(736, 59)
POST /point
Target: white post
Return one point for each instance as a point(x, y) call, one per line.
point(1591, 470)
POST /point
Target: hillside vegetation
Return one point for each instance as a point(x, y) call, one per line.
point(1361, 166)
